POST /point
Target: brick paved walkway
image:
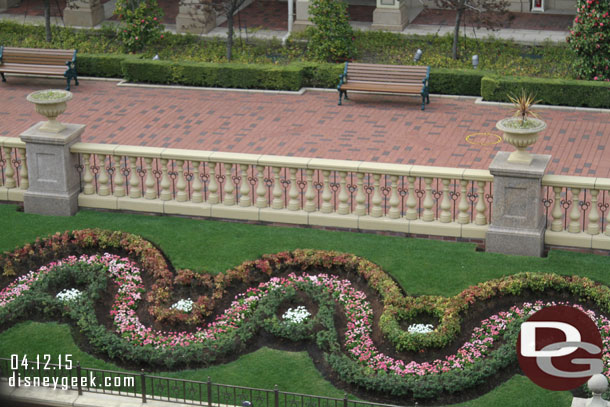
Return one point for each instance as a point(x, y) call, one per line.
point(389, 129)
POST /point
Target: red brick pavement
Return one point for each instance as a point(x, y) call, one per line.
point(389, 129)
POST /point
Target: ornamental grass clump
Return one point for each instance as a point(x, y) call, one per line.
point(523, 109)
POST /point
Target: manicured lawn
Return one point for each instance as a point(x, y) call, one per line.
point(420, 266)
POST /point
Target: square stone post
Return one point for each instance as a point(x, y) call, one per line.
point(195, 18)
point(518, 222)
point(395, 15)
point(83, 13)
point(301, 21)
point(6, 4)
point(53, 177)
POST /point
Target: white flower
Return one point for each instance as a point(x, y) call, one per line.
point(297, 315)
point(183, 305)
point(68, 295)
point(420, 328)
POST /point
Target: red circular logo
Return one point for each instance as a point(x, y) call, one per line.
point(560, 348)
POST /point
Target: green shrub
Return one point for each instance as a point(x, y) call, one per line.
point(456, 81)
point(590, 40)
point(245, 76)
point(549, 91)
point(100, 65)
point(331, 38)
point(141, 23)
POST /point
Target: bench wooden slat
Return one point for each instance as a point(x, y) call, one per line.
point(385, 79)
point(53, 62)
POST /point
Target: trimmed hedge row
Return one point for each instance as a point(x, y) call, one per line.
point(549, 91)
point(310, 74)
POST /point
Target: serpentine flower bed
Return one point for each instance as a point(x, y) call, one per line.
point(330, 279)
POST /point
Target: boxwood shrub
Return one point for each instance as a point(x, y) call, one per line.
point(456, 81)
point(549, 91)
point(247, 76)
point(100, 65)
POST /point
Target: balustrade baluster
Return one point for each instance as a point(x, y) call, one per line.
point(574, 225)
point(327, 206)
point(608, 217)
point(261, 190)
point(428, 215)
point(119, 183)
point(9, 172)
point(213, 188)
point(557, 213)
point(343, 208)
point(166, 193)
point(229, 198)
point(310, 194)
point(150, 192)
point(89, 188)
point(360, 209)
point(197, 197)
point(463, 206)
point(24, 182)
point(376, 210)
point(411, 201)
point(446, 203)
point(134, 179)
point(244, 188)
point(181, 195)
point(102, 176)
point(593, 228)
point(480, 218)
point(278, 202)
point(293, 203)
point(394, 212)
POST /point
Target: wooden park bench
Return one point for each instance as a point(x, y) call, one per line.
point(53, 62)
point(397, 79)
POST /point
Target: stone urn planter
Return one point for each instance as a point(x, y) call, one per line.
point(520, 135)
point(50, 103)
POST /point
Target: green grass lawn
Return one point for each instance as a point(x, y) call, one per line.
point(420, 266)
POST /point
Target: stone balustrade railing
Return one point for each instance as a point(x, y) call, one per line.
point(577, 211)
point(310, 191)
point(13, 169)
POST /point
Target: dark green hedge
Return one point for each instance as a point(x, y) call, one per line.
point(323, 75)
point(549, 91)
point(456, 81)
point(105, 66)
point(246, 76)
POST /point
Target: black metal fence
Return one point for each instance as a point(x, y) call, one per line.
point(150, 387)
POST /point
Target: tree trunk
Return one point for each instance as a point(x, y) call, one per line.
point(230, 35)
point(47, 20)
point(456, 30)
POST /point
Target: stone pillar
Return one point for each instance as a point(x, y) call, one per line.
point(53, 178)
point(83, 13)
point(6, 4)
point(518, 222)
point(394, 15)
point(195, 18)
point(302, 16)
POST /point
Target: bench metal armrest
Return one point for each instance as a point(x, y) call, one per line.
point(425, 81)
point(343, 76)
point(1, 52)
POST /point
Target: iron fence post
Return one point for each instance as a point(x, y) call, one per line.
point(344, 399)
point(143, 377)
point(277, 396)
point(79, 385)
point(209, 391)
